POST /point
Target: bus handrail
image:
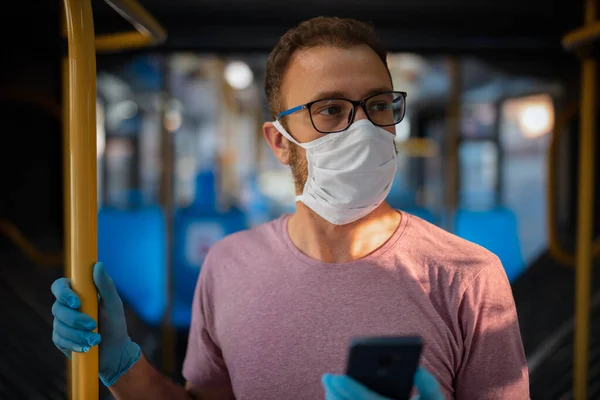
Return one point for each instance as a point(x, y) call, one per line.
point(148, 31)
point(581, 36)
point(81, 220)
point(45, 103)
point(79, 163)
point(556, 250)
point(585, 210)
point(9, 230)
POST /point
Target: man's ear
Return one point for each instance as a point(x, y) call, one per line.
point(277, 143)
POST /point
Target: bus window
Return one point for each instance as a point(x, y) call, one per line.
point(525, 127)
point(478, 174)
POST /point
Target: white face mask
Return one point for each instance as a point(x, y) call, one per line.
point(350, 173)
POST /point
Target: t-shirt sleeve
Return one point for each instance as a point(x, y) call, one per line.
point(493, 362)
point(204, 365)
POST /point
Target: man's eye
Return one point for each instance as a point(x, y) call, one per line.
point(380, 106)
point(330, 110)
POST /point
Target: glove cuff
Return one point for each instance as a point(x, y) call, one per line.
point(130, 355)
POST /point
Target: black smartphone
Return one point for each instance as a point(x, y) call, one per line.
point(386, 365)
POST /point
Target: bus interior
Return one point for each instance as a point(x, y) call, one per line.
point(490, 149)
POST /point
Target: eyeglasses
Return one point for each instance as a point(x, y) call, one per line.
point(337, 114)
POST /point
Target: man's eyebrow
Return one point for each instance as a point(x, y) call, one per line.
point(339, 94)
point(328, 95)
point(378, 90)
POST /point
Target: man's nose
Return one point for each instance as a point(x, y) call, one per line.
point(360, 114)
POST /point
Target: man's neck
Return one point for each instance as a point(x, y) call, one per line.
point(330, 243)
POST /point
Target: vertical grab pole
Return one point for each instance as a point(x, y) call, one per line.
point(66, 169)
point(584, 215)
point(82, 231)
point(453, 131)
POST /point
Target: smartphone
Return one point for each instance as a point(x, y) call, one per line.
point(385, 365)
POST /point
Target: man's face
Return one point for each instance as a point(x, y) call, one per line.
point(319, 73)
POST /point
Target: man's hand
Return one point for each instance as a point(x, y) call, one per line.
point(342, 387)
point(73, 330)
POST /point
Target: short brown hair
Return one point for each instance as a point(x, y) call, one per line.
point(338, 32)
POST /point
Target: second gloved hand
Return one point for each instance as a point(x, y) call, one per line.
point(342, 387)
point(73, 330)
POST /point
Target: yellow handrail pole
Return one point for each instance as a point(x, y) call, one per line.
point(122, 41)
point(453, 137)
point(9, 230)
point(585, 216)
point(66, 168)
point(582, 36)
point(148, 30)
point(46, 104)
point(556, 251)
point(82, 239)
point(560, 125)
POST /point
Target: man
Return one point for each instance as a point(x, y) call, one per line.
point(276, 306)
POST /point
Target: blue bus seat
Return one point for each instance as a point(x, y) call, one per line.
point(496, 230)
point(253, 202)
point(195, 229)
point(195, 232)
point(131, 244)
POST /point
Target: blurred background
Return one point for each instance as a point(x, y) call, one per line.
point(181, 162)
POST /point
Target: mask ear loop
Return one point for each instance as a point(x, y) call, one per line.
point(289, 137)
point(285, 134)
point(308, 145)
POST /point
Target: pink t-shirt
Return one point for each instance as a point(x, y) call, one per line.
point(270, 321)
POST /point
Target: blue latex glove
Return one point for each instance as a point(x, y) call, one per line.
point(342, 387)
point(73, 330)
